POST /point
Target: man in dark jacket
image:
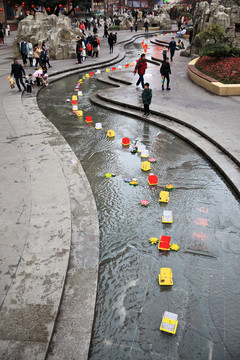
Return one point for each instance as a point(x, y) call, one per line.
point(146, 98)
point(18, 72)
point(111, 42)
point(141, 68)
point(165, 71)
point(23, 51)
point(79, 48)
point(172, 47)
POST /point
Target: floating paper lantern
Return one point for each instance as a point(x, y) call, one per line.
point(119, 67)
point(88, 119)
point(80, 93)
point(91, 73)
point(145, 154)
point(169, 322)
point(79, 113)
point(164, 196)
point(126, 65)
point(152, 179)
point(125, 141)
point(110, 133)
point(74, 97)
point(75, 107)
point(87, 76)
point(167, 217)
point(74, 102)
point(164, 243)
point(146, 166)
point(165, 276)
point(114, 68)
point(98, 126)
point(107, 70)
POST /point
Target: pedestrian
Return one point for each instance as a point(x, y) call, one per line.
point(172, 47)
point(46, 49)
point(43, 59)
point(95, 30)
point(141, 67)
point(84, 55)
point(30, 52)
point(79, 49)
point(1, 34)
point(165, 50)
point(146, 98)
point(36, 54)
point(82, 27)
point(18, 72)
point(95, 46)
point(111, 42)
point(136, 26)
point(146, 25)
point(29, 83)
point(105, 30)
point(115, 37)
point(165, 71)
point(23, 51)
point(131, 26)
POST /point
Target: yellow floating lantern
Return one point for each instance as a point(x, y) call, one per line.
point(164, 196)
point(169, 322)
point(165, 276)
point(110, 133)
point(80, 113)
point(107, 70)
point(146, 166)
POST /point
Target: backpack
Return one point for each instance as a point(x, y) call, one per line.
point(95, 43)
point(43, 56)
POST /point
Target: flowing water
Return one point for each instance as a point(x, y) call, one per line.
point(206, 270)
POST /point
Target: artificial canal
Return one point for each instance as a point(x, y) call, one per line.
point(206, 270)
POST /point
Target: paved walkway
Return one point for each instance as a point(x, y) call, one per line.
point(40, 229)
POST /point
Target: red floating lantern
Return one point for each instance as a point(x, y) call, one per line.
point(114, 68)
point(125, 141)
point(60, 6)
point(88, 119)
point(91, 73)
point(127, 65)
point(74, 102)
point(164, 243)
point(152, 179)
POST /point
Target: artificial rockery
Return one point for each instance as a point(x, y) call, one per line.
point(225, 13)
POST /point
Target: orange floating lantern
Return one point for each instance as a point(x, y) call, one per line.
point(152, 179)
point(88, 119)
point(125, 141)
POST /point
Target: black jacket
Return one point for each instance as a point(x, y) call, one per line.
point(111, 40)
point(165, 68)
point(17, 70)
point(172, 45)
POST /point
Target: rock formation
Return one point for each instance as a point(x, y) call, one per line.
point(61, 37)
point(225, 13)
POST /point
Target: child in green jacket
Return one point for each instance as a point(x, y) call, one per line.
point(146, 98)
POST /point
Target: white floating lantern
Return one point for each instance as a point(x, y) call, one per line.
point(98, 126)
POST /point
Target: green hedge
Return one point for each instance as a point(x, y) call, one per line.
point(115, 27)
point(219, 50)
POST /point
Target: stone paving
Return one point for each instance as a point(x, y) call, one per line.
point(41, 231)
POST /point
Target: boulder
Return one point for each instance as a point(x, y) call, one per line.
point(61, 37)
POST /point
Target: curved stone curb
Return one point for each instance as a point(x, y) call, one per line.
point(194, 136)
point(211, 84)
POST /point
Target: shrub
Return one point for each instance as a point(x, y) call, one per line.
point(219, 50)
point(212, 32)
point(115, 27)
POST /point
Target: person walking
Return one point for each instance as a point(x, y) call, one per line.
point(165, 70)
point(146, 25)
point(95, 46)
point(165, 50)
point(172, 47)
point(111, 42)
point(82, 27)
point(146, 98)
point(136, 25)
point(141, 67)
point(36, 54)
point(23, 51)
point(79, 51)
point(105, 30)
point(43, 59)
point(18, 72)
point(45, 48)
point(30, 52)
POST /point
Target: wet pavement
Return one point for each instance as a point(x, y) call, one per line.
point(130, 303)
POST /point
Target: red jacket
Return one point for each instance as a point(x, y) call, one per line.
point(141, 67)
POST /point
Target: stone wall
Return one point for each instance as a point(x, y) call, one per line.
point(225, 13)
point(61, 37)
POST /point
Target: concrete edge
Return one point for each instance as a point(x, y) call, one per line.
point(187, 134)
point(210, 84)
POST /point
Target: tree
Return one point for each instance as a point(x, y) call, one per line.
point(213, 32)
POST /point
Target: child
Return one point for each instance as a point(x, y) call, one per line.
point(165, 50)
point(29, 83)
point(165, 71)
point(146, 98)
